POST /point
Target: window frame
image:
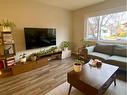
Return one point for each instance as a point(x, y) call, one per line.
point(98, 38)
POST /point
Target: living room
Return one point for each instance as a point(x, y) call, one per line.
point(70, 21)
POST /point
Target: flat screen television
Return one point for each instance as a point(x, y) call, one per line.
point(39, 37)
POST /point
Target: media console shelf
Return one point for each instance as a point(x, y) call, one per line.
point(28, 66)
point(31, 65)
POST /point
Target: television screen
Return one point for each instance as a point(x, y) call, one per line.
point(39, 37)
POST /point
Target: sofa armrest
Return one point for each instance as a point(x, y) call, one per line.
point(90, 49)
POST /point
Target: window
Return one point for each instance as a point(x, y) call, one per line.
point(108, 27)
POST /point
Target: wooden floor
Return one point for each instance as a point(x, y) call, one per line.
point(39, 81)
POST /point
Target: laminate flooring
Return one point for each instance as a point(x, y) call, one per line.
point(38, 81)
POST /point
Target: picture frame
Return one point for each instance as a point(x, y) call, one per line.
point(7, 38)
point(9, 49)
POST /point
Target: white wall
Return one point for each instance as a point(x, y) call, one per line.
point(80, 17)
point(28, 13)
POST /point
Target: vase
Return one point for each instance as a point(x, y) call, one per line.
point(66, 49)
point(23, 60)
point(77, 67)
point(33, 58)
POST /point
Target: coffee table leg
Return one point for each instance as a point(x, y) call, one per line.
point(115, 80)
point(69, 89)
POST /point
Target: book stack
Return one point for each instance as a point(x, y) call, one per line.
point(10, 61)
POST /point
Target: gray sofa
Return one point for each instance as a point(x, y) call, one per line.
point(111, 54)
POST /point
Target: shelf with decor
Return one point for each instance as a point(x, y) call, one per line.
point(7, 46)
point(7, 49)
point(31, 65)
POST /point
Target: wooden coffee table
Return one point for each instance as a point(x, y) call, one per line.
point(93, 80)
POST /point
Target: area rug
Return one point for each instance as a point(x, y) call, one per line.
point(119, 89)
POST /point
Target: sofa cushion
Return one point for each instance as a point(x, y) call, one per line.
point(100, 56)
point(106, 49)
point(118, 61)
point(90, 49)
point(120, 51)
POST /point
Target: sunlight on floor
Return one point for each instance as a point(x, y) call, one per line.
point(119, 89)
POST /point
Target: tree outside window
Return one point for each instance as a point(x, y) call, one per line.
point(108, 27)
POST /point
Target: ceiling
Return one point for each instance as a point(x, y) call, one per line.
point(70, 4)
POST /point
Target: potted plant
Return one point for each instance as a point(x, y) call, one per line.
point(33, 56)
point(7, 25)
point(52, 49)
point(87, 43)
point(65, 45)
point(78, 65)
point(23, 58)
point(41, 53)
